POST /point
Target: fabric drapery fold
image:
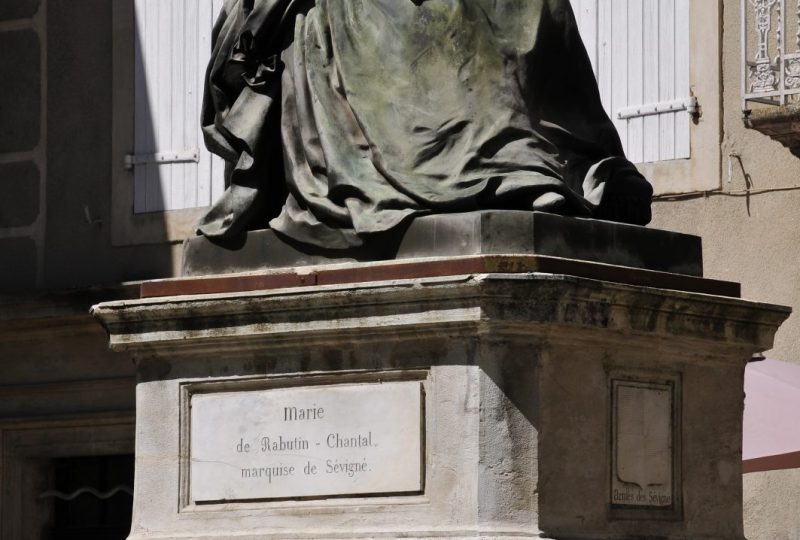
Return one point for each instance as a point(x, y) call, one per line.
point(341, 119)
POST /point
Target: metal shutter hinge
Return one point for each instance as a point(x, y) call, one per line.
point(689, 104)
point(161, 158)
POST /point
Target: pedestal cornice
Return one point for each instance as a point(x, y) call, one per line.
point(495, 305)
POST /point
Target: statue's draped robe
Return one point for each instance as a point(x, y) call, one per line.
point(342, 118)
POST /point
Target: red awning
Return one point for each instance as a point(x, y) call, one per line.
point(771, 416)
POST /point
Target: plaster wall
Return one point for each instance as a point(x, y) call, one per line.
point(55, 152)
point(62, 394)
point(51, 375)
point(22, 143)
point(747, 237)
point(752, 238)
point(80, 98)
point(55, 362)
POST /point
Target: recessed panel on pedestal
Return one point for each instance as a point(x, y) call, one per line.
point(306, 442)
point(643, 445)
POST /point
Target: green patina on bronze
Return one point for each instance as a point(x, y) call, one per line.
point(341, 119)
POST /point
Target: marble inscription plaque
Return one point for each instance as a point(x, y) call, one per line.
point(642, 454)
point(316, 441)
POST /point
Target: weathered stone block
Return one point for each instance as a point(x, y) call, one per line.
point(18, 9)
point(18, 270)
point(20, 184)
point(20, 91)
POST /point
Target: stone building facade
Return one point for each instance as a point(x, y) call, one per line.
point(68, 239)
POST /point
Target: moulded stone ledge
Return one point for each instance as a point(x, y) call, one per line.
point(490, 304)
point(779, 123)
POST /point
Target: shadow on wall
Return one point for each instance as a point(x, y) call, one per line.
point(81, 102)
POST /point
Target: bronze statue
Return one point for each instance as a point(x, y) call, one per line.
point(343, 119)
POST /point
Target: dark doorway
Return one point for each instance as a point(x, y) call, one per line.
point(92, 498)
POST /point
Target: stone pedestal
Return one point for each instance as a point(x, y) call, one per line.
point(494, 404)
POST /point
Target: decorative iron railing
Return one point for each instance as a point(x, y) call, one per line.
point(770, 52)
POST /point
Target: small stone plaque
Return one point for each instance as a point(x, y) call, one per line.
point(317, 441)
point(642, 454)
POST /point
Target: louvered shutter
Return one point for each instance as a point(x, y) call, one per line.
point(172, 168)
point(639, 51)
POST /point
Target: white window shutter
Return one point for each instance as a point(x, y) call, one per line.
point(172, 168)
point(639, 51)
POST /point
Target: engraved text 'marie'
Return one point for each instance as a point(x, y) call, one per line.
point(292, 414)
